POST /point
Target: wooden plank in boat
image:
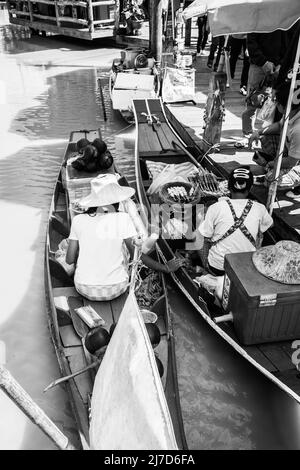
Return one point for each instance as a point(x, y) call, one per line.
point(286, 346)
point(143, 142)
point(277, 356)
point(151, 136)
point(65, 291)
point(103, 309)
point(165, 157)
point(117, 306)
point(80, 327)
point(291, 378)
point(72, 351)
point(155, 108)
point(68, 336)
point(259, 357)
point(83, 381)
point(164, 141)
point(140, 108)
point(173, 141)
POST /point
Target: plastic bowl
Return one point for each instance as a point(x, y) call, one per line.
point(148, 316)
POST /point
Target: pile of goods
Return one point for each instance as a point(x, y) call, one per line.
point(208, 184)
point(179, 192)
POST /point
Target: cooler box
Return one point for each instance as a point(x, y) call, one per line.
point(78, 183)
point(263, 310)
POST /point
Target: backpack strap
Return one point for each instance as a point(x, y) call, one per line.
point(238, 224)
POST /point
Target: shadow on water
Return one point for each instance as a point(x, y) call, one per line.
point(27, 179)
point(226, 402)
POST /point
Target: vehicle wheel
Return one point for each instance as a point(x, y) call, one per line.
point(34, 32)
point(44, 34)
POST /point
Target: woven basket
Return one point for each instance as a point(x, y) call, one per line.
point(167, 199)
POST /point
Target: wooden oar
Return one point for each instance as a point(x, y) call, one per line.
point(67, 377)
point(21, 398)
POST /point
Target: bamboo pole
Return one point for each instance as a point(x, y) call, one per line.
point(117, 17)
point(90, 16)
point(156, 29)
point(276, 169)
point(21, 398)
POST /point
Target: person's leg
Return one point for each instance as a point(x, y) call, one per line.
point(205, 33)
point(221, 43)
point(246, 65)
point(235, 49)
point(200, 34)
point(213, 48)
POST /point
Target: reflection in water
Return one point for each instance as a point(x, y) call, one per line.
point(226, 403)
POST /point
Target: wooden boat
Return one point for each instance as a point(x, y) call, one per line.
point(158, 142)
point(132, 76)
point(68, 330)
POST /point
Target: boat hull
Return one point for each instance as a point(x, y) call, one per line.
point(67, 330)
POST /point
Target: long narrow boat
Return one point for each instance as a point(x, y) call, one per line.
point(68, 330)
point(157, 144)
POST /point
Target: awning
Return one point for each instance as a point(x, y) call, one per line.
point(245, 16)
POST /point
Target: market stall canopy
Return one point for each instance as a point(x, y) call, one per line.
point(245, 16)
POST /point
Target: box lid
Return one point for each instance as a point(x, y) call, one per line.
point(134, 81)
point(241, 270)
point(73, 174)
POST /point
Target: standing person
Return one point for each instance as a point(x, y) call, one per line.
point(217, 44)
point(203, 32)
point(237, 43)
point(269, 138)
point(266, 53)
point(97, 239)
point(233, 224)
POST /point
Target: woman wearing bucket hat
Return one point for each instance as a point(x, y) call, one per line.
point(96, 242)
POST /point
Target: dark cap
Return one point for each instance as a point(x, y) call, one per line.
point(240, 180)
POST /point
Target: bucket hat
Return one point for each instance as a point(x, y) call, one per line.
point(105, 190)
point(279, 262)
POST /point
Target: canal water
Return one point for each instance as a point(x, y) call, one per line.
point(48, 88)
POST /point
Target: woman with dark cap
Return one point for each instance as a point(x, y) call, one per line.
point(232, 225)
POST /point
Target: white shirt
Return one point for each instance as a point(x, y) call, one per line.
point(100, 237)
point(219, 219)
